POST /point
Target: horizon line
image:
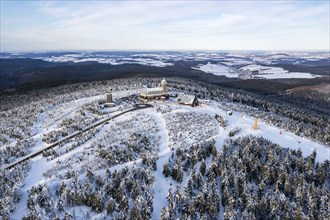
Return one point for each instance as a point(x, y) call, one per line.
point(165, 50)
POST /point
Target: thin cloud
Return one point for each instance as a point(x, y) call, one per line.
point(169, 25)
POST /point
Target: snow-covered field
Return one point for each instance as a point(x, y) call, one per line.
point(231, 64)
point(217, 69)
point(108, 60)
point(250, 71)
point(269, 72)
point(142, 142)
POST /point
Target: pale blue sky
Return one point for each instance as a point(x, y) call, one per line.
point(164, 25)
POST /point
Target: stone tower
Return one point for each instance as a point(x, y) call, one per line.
point(163, 84)
point(109, 97)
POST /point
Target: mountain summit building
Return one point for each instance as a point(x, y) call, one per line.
point(155, 93)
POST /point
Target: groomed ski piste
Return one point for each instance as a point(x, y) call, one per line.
point(154, 132)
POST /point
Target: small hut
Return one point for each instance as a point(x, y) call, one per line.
point(188, 100)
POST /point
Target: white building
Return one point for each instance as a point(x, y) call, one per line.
point(155, 93)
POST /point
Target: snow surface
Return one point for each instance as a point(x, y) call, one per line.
point(216, 69)
point(107, 60)
point(269, 72)
point(40, 165)
point(231, 64)
point(272, 133)
point(259, 71)
point(35, 176)
point(162, 184)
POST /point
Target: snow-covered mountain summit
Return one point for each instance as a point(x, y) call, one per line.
point(168, 161)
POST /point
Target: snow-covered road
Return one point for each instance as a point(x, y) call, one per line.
point(161, 183)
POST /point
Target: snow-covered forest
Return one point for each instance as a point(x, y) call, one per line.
point(249, 178)
point(166, 162)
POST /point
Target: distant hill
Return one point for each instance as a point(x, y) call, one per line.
point(27, 73)
point(24, 72)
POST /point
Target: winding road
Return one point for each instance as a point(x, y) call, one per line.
point(94, 125)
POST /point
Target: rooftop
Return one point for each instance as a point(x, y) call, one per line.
point(186, 98)
point(156, 89)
